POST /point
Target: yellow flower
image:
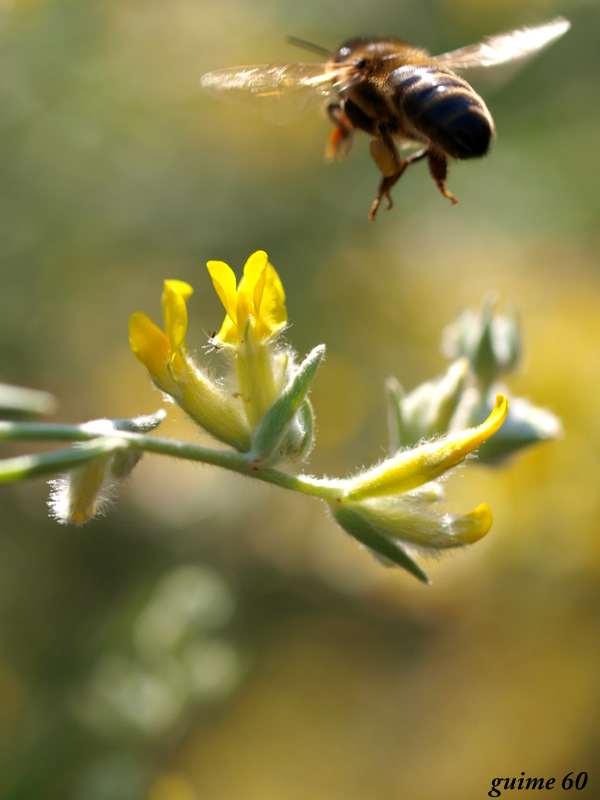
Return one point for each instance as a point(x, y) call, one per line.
point(392, 507)
point(409, 469)
point(258, 371)
point(156, 349)
point(164, 355)
point(255, 308)
point(256, 314)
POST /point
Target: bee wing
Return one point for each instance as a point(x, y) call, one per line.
point(281, 90)
point(505, 47)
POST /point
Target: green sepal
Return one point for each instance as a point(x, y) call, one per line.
point(398, 432)
point(483, 360)
point(364, 532)
point(427, 411)
point(268, 437)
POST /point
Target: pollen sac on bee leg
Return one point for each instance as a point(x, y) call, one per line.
point(385, 158)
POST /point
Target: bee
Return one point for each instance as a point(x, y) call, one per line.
point(404, 98)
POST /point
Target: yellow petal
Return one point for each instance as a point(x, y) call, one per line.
point(225, 284)
point(250, 290)
point(414, 467)
point(228, 333)
point(175, 312)
point(273, 313)
point(182, 288)
point(475, 525)
point(149, 345)
point(253, 282)
point(244, 307)
point(453, 448)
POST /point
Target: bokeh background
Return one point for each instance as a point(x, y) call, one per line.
point(213, 638)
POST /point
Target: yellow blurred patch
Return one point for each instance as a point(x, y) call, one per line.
point(172, 786)
point(341, 398)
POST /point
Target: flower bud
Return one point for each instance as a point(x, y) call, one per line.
point(491, 342)
point(392, 527)
point(409, 469)
point(87, 490)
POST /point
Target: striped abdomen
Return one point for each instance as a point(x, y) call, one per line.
point(436, 106)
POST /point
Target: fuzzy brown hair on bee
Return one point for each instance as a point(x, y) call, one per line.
point(413, 105)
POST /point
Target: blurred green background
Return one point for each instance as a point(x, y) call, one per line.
point(212, 638)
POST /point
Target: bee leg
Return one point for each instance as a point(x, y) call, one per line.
point(385, 154)
point(387, 182)
point(340, 139)
point(438, 167)
point(383, 191)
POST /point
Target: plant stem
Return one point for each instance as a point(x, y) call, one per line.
point(325, 489)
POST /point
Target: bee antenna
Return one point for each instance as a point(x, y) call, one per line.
point(316, 48)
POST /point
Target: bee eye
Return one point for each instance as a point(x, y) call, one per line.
point(344, 51)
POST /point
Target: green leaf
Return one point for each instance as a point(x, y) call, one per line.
point(18, 403)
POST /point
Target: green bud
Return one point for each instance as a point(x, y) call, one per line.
point(491, 342)
point(270, 442)
point(299, 437)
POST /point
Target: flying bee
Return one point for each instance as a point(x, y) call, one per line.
point(400, 95)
